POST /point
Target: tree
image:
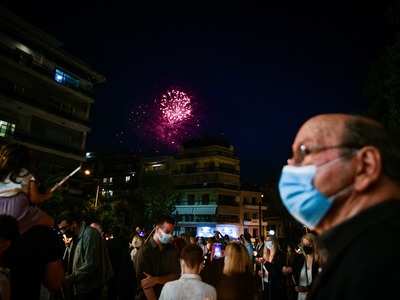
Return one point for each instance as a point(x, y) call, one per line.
point(155, 200)
point(383, 84)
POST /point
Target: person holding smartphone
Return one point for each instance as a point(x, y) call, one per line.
point(305, 267)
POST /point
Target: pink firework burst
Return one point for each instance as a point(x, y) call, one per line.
point(168, 121)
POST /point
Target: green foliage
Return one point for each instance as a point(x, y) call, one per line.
point(154, 201)
point(383, 84)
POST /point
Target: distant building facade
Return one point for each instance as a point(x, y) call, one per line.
point(110, 174)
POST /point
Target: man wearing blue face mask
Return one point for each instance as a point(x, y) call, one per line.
point(157, 261)
point(343, 182)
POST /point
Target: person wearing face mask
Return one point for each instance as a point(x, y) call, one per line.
point(343, 182)
point(89, 266)
point(157, 261)
point(290, 255)
point(304, 268)
point(272, 279)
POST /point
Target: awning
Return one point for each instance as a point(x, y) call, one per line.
point(204, 210)
point(188, 210)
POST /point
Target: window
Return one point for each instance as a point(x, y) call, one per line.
point(205, 199)
point(209, 166)
point(255, 216)
point(228, 168)
point(190, 199)
point(245, 200)
point(246, 217)
point(6, 128)
point(62, 106)
point(66, 79)
point(127, 178)
point(19, 90)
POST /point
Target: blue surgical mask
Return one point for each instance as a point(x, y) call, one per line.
point(164, 238)
point(269, 244)
point(303, 201)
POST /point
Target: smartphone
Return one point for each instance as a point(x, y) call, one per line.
point(216, 251)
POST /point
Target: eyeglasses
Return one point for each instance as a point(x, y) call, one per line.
point(64, 228)
point(304, 150)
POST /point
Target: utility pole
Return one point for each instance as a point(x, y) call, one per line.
point(260, 215)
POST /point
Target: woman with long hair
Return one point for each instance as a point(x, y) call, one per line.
point(237, 280)
point(272, 263)
point(305, 266)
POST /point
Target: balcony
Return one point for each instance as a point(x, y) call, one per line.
point(26, 60)
point(8, 91)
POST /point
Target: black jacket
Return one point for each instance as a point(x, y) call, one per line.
point(362, 257)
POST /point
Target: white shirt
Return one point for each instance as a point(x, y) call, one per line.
point(9, 188)
point(188, 287)
point(5, 288)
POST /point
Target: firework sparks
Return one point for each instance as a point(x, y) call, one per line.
point(168, 121)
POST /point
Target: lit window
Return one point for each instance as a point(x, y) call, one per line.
point(127, 178)
point(6, 128)
point(66, 79)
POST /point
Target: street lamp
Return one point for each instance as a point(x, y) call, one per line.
point(87, 172)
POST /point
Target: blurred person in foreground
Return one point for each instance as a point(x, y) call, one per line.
point(20, 193)
point(34, 258)
point(157, 261)
point(236, 281)
point(343, 182)
point(189, 285)
point(9, 231)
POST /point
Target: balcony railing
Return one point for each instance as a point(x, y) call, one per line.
point(27, 61)
point(17, 136)
point(9, 92)
point(206, 170)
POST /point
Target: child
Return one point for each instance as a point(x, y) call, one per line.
point(8, 233)
point(19, 193)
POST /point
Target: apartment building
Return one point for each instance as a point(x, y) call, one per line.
point(46, 96)
point(206, 175)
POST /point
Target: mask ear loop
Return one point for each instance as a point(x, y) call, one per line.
point(346, 189)
point(336, 160)
point(341, 193)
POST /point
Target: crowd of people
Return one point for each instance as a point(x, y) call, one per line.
point(342, 184)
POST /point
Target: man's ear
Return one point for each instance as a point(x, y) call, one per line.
point(4, 245)
point(369, 167)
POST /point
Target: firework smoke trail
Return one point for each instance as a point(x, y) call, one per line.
point(168, 121)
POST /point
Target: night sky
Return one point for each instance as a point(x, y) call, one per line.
point(255, 71)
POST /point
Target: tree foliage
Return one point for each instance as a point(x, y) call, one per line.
point(383, 84)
